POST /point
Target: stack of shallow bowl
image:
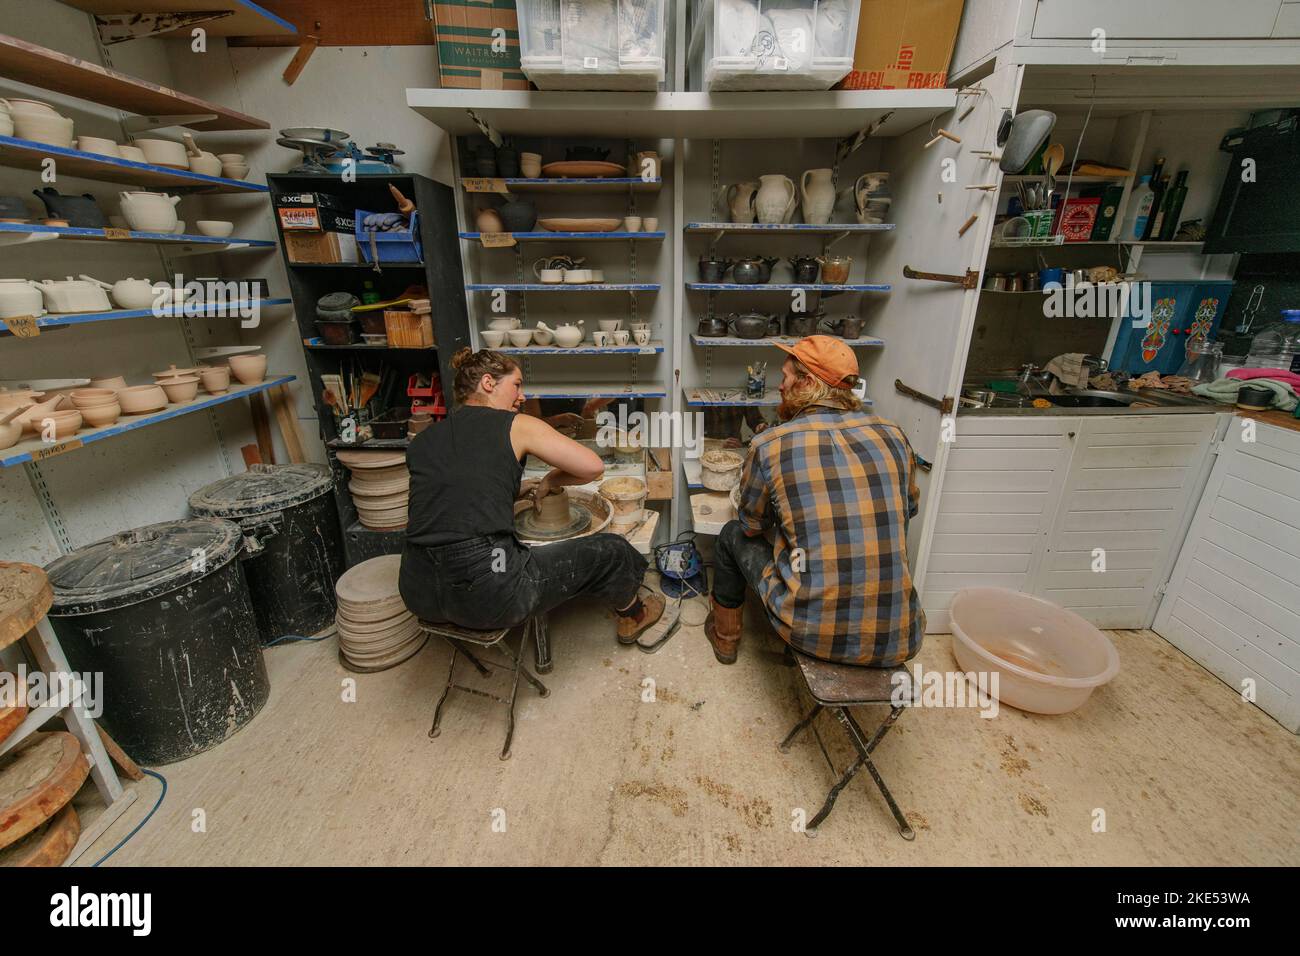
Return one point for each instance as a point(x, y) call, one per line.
point(380, 487)
point(376, 631)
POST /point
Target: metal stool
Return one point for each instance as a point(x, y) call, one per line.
point(839, 687)
point(458, 637)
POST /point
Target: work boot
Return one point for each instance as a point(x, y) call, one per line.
point(722, 628)
point(630, 628)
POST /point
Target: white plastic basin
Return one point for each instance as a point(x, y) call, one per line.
point(1048, 659)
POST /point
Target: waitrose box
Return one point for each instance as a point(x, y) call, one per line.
point(478, 45)
point(904, 44)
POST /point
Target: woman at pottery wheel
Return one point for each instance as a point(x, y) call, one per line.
point(463, 562)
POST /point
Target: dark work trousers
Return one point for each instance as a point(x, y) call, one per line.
point(738, 560)
point(496, 581)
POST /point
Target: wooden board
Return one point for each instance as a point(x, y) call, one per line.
point(286, 416)
point(11, 718)
point(386, 23)
point(47, 845)
point(52, 70)
point(37, 782)
point(25, 596)
point(262, 427)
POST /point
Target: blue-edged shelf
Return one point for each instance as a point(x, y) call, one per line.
point(595, 390)
point(614, 184)
point(562, 287)
point(370, 266)
point(785, 287)
point(584, 351)
point(734, 341)
point(575, 236)
point(244, 19)
point(83, 318)
point(732, 398)
point(27, 154)
point(320, 345)
point(790, 228)
point(83, 234)
point(34, 449)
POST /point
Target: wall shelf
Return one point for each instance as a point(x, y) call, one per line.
point(789, 228)
point(34, 449)
point(60, 73)
point(712, 397)
point(773, 115)
point(607, 184)
point(771, 341)
point(576, 236)
point(583, 351)
point(595, 390)
point(84, 318)
point(27, 154)
point(784, 287)
point(561, 287)
point(353, 265)
point(320, 346)
point(245, 19)
point(83, 234)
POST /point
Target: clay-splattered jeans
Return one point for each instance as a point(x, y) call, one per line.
point(738, 560)
point(496, 581)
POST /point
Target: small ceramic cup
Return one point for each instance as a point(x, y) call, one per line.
point(493, 338)
point(642, 336)
point(550, 276)
point(530, 165)
point(577, 276)
point(600, 338)
point(597, 275)
point(609, 325)
point(621, 337)
point(651, 224)
point(632, 224)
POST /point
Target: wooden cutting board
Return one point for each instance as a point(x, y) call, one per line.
point(48, 845)
point(25, 596)
point(37, 782)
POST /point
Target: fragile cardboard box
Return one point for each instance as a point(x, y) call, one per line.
point(320, 247)
point(314, 212)
point(478, 45)
point(904, 44)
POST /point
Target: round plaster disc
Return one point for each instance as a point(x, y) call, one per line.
point(527, 526)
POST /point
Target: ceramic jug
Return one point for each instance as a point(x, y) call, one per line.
point(818, 196)
point(20, 297)
point(738, 200)
point(775, 200)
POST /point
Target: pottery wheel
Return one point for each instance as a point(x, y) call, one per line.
point(528, 524)
point(37, 782)
point(25, 596)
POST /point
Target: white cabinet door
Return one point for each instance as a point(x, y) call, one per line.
point(1125, 506)
point(1233, 603)
point(1001, 489)
point(1155, 19)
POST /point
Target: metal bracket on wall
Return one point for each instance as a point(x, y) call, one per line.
point(966, 282)
point(714, 239)
point(485, 128)
point(118, 28)
point(715, 201)
point(53, 520)
point(830, 241)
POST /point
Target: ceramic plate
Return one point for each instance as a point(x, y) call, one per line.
point(220, 351)
point(580, 225)
point(582, 169)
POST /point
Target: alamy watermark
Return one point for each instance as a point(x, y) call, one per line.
point(210, 297)
point(651, 430)
point(57, 689)
point(1098, 300)
point(947, 689)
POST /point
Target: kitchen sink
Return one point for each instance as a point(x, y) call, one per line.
point(1092, 398)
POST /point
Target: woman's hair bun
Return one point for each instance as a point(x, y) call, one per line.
point(462, 356)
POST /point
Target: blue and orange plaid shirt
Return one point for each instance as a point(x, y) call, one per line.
point(837, 488)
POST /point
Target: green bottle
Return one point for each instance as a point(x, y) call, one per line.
point(1157, 187)
point(368, 295)
point(1173, 208)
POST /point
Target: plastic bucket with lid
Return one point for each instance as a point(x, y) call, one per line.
point(627, 495)
point(1049, 660)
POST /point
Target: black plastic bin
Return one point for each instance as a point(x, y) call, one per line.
point(289, 511)
point(163, 613)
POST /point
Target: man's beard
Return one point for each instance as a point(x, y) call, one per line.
point(787, 409)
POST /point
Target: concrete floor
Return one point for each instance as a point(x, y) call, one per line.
point(1186, 773)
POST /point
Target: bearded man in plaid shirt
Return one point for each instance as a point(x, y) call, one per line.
point(832, 487)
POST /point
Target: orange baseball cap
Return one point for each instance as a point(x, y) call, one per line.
point(828, 358)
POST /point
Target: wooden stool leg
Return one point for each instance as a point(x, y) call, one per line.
point(437, 710)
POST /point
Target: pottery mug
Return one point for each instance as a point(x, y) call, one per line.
point(493, 338)
point(600, 338)
point(632, 224)
point(642, 336)
point(621, 337)
point(577, 276)
point(651, 224)
point(530, 165)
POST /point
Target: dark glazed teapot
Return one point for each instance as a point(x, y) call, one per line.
point(711, 327)
point(713, 269)
point(803, 323)
point(752, 325)
point(753, 270)
point(805, 269)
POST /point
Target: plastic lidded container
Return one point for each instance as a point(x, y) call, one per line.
point(592, 44)
point(1278, 345)
point(773, 44)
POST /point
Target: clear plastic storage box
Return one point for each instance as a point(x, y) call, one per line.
point(592, 44)
point(773, 44)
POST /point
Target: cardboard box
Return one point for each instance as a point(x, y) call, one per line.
point(904, 44)
point(1076, 217)
point(314, 212)
point(320, 247)
point(478, 45)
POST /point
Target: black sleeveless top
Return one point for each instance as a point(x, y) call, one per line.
point(464, 478)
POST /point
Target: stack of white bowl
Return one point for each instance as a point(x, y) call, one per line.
point(36, 121)
point(376, 631)
point(380, 487)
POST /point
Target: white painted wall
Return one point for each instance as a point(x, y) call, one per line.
point(147, 476)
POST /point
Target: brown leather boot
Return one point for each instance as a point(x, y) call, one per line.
point(722, 628)
point(629, 628)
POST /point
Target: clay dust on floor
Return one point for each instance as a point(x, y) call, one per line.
point(672, 758)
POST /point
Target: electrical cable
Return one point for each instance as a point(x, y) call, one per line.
point(161, 779)
point(297, 638)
